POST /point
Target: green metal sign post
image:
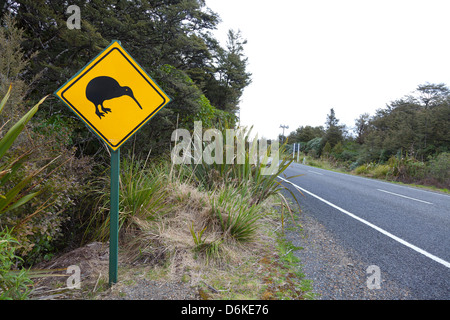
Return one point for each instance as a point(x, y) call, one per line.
point(114, 217)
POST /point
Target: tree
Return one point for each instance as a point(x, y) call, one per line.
point(226, 85)
point(361, 127)
point(337, 150)
point(305, 134)
point(333, 130)
point(313, 147)
point(431, 94)
point(326, 149)
point(171, 39)
point(417, 125)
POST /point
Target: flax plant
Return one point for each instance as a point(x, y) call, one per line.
point(19, 194)
point(142, 196)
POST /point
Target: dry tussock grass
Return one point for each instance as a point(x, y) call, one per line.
point(163, 249)
point(168, 244)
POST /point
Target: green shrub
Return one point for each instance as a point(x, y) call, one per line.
point(17, 181)
point(337, 150)
point(237, 218)
point(326, 149)
point(439, 167)
point(142, 189)
point(45, 179)
point(416, 170)
point(407, 168)
point(313, 147)
point(210, 249)
point(14, 284)
point(249, 173)
point(380, 171)
point(142, 195)
point(362, 169)
point(42, 155)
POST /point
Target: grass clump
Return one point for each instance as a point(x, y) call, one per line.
point(14, 284)
point(142, 197)
point(211, 250)
point(238, 219)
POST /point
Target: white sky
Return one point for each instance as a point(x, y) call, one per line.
point(351, 55)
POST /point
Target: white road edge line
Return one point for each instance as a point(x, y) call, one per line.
point(390, 235)
point(316, 172)
point(400, 195)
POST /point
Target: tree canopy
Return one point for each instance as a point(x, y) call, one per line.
point(416, 125)
point(170, 39)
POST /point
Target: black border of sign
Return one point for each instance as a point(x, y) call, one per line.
point(91, 125)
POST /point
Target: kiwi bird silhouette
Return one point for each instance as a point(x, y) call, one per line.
point(105, 88)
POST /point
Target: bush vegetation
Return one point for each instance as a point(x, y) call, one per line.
point(407, 141)
point(60, 172)
point(204, 80)
point(14, 285)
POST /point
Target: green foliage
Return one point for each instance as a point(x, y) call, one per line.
point(418, 124)
point(41, 155)
point(37, 190)
point(313, 147)
point(333, 130)
point(212, 117)
point(142, 190)
point(248, 171)
point(337, 150)
point(350, 152)
point(14, 285)
point(410, 170)
point(407, 141)
point(142, 196)
point(439, 168)
point(362, 169)
point(190, 104)
point(237, 218)
point(198, 241)
point(177, 34)
point(326, 149)
point(225, 88)
point(240, 187)
point(381, 171)
point(13, 65)
point(16, 196)
point(373, 170)
point(305, 134)
point(210, 249)
point(361, 126)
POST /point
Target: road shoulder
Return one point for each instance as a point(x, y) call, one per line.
point(338, 273)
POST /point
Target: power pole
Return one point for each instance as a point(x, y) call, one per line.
point(284, 127)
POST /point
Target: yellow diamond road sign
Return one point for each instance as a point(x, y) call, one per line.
point(113, 95)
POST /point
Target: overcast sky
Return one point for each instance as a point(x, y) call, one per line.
point(351, 55)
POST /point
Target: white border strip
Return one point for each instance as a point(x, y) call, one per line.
point(400, 195)
point(390, 235)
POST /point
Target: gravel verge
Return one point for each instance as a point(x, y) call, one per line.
point(337, 273)
point(152, 290)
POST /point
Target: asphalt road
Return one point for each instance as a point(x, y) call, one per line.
point(404, 231)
